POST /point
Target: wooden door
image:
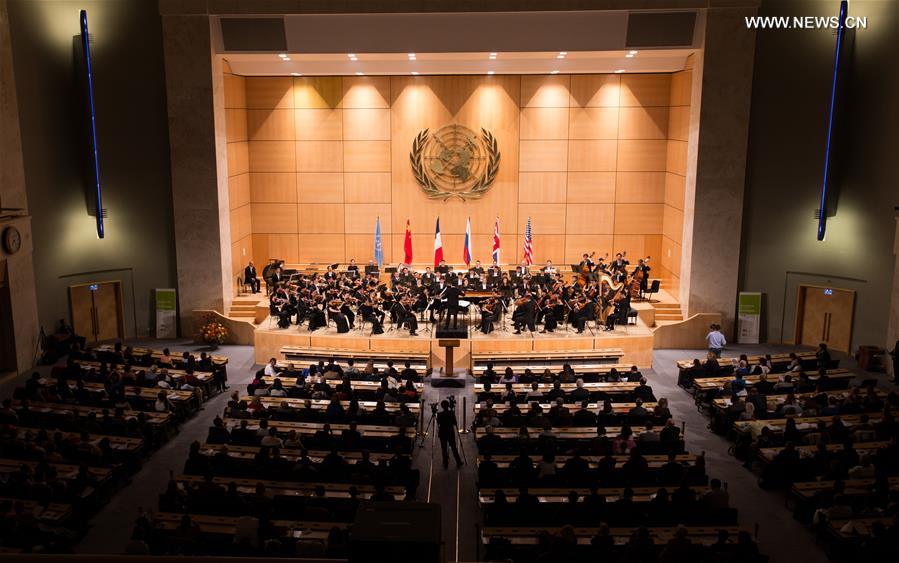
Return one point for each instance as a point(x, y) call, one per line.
point(82, 302)
point(825, 315)
point(107, 306)
point(97, 310)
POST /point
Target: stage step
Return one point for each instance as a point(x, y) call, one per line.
point(669, 317)
point(242, 314)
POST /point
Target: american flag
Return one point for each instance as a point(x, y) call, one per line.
point(528, 249)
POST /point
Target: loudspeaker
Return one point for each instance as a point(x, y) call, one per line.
point(396, 531)
point(447, 332)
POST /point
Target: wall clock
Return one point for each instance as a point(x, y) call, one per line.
point(12, 240)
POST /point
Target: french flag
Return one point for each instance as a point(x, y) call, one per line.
point(466, 250)
point(438, 245)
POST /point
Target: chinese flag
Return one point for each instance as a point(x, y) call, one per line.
point(407, 244)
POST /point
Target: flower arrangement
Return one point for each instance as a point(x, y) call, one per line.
point(213, 332)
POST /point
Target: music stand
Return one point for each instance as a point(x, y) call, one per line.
point(371, 270)
point(390, 270)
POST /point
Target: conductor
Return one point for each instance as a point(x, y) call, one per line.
point(451, 296)
point(446, 431)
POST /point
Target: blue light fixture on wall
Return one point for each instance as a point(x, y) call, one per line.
point(94, 151)
point(828, 157)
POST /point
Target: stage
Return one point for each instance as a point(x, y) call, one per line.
point(635, 340)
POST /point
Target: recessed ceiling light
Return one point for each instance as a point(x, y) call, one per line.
point(295, 74)
point(415, 72)
point(554, 72)
point(489, 72)
point(629, 56)
point(285, 59)
point(619, 71)
point(563, 53)
point(282, 55)
point(411, 55)
point(493, 56)
point(351, 55)
point(632, 52)
point(560, 56)
point(360, 74)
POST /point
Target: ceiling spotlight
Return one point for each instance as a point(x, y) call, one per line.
point(560, 56)
point(351, 55)
point(629, 56)
point(490, 72)
point(282, 55)
point(619, 71)
point(285, 59)
point(493, 56)
point(295, 74)
point(360, 74)
point(411, 55)
point(415, 73)
point(632, 52)
point(554, 72)
point(563, 53)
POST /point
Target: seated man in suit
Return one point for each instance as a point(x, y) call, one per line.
point(249, 277)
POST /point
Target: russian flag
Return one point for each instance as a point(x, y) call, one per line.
point(438, 245)
point(466, 250)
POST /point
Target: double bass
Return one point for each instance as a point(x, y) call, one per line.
point(585, 271)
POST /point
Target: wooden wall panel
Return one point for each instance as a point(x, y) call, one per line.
point(637, 246)
point(670, 256)
point(591, 187)
point(545, 247)
point(590, 218)
point(361, 217)
point(672, 223)
point(643, 123)
point(544, 123)
point(545, 91)
point(677, 157)
point(319, 156)
point(546, 218)
point(241, 225)
point(318, 124)
point(236, 125)
point(638, 218)
point(544, 156)
point(366, 124)
point(642, 156)
point(362, 248)
point(241, 253)
point(595, 90)
point(238, 159)
point(270, 124)
point(644, 90)
point(674, 190)
point(593, 123)
point(271, 156)
point(366, 92)
point(320, 187)
point(577, 245)
point(366, 156)
point(277, 218)
point(681, 85)
point(367, 187)
point(238, 191)
point(235, 91)
point(321, 249)
point(640, 187)
point(316, 218)
point(318, 92)
point(592, 155)
point(270, 92)
point(274, 246)
point(542, 187)
point(679, 123)
point(273, 187)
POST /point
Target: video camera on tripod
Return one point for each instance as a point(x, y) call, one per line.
point(451, 400)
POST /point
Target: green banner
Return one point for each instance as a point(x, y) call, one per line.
point(750, 304)
point(166, 300)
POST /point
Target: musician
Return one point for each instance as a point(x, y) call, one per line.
point(522, 270)
point(622, 304)
point(619, 262)
point(406, 316)
point(277, 277)
point(249, 277)
point(643, 266)
point(316, 315)
point(478, 268)
point(549, 269)
point(353, 269)
point(371, 268)
point(451, 297)
point(331, 274)
point(490, 312)
point(442, 268)
point(371, 313)
point(525, 314)
point(588, 262)
point(474, 273)
point(551, 313)
point(336, 315)
point(428, 278)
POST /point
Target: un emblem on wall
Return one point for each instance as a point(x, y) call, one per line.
point(455, 161)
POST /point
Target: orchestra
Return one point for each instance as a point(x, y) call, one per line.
point(599, 291)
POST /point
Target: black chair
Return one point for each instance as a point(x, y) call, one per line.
point(632, 316)
point(653, 288)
